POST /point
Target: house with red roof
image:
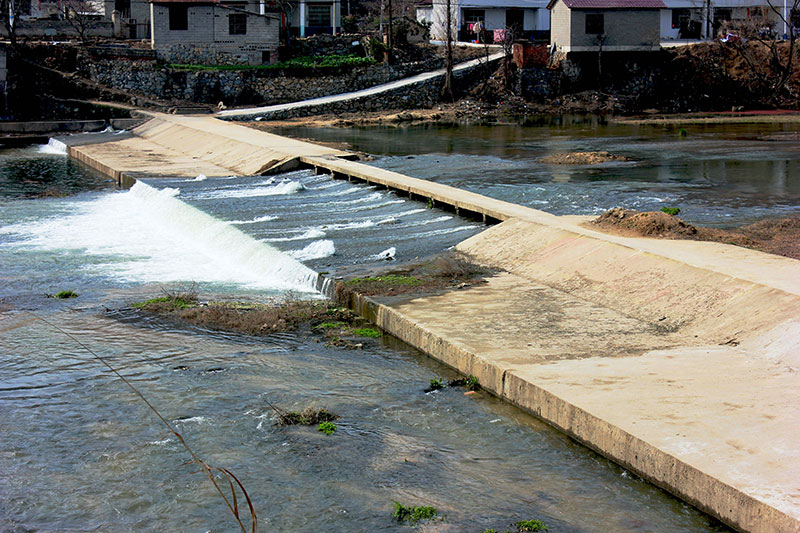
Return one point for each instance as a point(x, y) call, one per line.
point(605, 25)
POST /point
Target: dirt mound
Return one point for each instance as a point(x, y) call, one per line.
point(582, 158)
point(646, 224)
point(779, 236)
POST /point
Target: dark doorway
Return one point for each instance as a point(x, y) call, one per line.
point(514, 21)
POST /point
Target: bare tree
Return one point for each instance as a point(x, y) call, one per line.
point(10, 10)
point(80, 14)
point(770, 58)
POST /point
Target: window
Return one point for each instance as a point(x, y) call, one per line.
point(124, 7)
point(594, 24)
point(237, 24)
point(178, 18)
point(471, 16)
point(319, 15)
point(680, 18)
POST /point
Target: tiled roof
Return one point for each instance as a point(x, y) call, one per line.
point(611, 4)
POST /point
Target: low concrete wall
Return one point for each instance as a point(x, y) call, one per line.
point(66, 126)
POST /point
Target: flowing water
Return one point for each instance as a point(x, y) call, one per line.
point(78, 451)
point(719, 175)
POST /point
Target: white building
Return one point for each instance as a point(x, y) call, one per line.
point(529, 19)
point(214, 31)
point(312, 18)
point(700, 19)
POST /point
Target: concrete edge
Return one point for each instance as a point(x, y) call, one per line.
point(123, 179)
point(712, 496)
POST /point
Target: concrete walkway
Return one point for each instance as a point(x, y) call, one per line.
point(679, 360)
point(252, 112)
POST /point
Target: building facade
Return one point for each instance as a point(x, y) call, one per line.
point(605, 25)
point(488, 21)
point(214, 32)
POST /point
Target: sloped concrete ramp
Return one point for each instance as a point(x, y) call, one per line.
point(687, 375)
point(186, 146)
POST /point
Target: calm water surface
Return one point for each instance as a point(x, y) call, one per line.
point(79, 452)
point(719, 175)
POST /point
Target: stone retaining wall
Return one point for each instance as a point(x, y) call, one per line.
point(425, 93)
point(245, 87)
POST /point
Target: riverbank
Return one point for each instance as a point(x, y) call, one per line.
point(473, 111)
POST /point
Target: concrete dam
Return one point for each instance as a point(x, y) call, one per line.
point(678, 360)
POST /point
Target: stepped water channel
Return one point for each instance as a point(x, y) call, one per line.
point(78, 452)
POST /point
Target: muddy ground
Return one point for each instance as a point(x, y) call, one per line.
point(779, 236)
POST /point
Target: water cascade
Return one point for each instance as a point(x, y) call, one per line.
point(53, 147)
point(148, 235)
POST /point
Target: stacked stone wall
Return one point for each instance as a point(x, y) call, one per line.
point(426, 93)
point(244, 87)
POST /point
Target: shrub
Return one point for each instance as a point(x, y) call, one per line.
point(671, 210)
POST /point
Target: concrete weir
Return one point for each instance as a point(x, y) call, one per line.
point(679, 360)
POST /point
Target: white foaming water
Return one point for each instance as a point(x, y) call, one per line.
point(386, 255)
point(200, 177)
point(285, 187)
point(53, 146)
point(315, 250)
point(265, 218)
point(148, 235)
point(312, 233)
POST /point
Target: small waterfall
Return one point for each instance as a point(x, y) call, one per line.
point(238, 256)
point(147, 235)
point(53, 146)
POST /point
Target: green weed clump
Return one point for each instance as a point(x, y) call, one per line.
point(300, 63)
point(671, 210)
point(330, 325)
point(531, 525)
point(166, 303)
point(367, 332)
point(329, 428)
point(389, 279)
point(470, 382)
point(63, 295)
point(413, 514)
point(436, 384)
point(307, 417)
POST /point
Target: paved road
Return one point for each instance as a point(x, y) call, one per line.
point(254, 111)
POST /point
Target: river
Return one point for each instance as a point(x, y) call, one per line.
point(78, 451)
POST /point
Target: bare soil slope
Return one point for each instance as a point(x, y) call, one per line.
point(779, 236)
